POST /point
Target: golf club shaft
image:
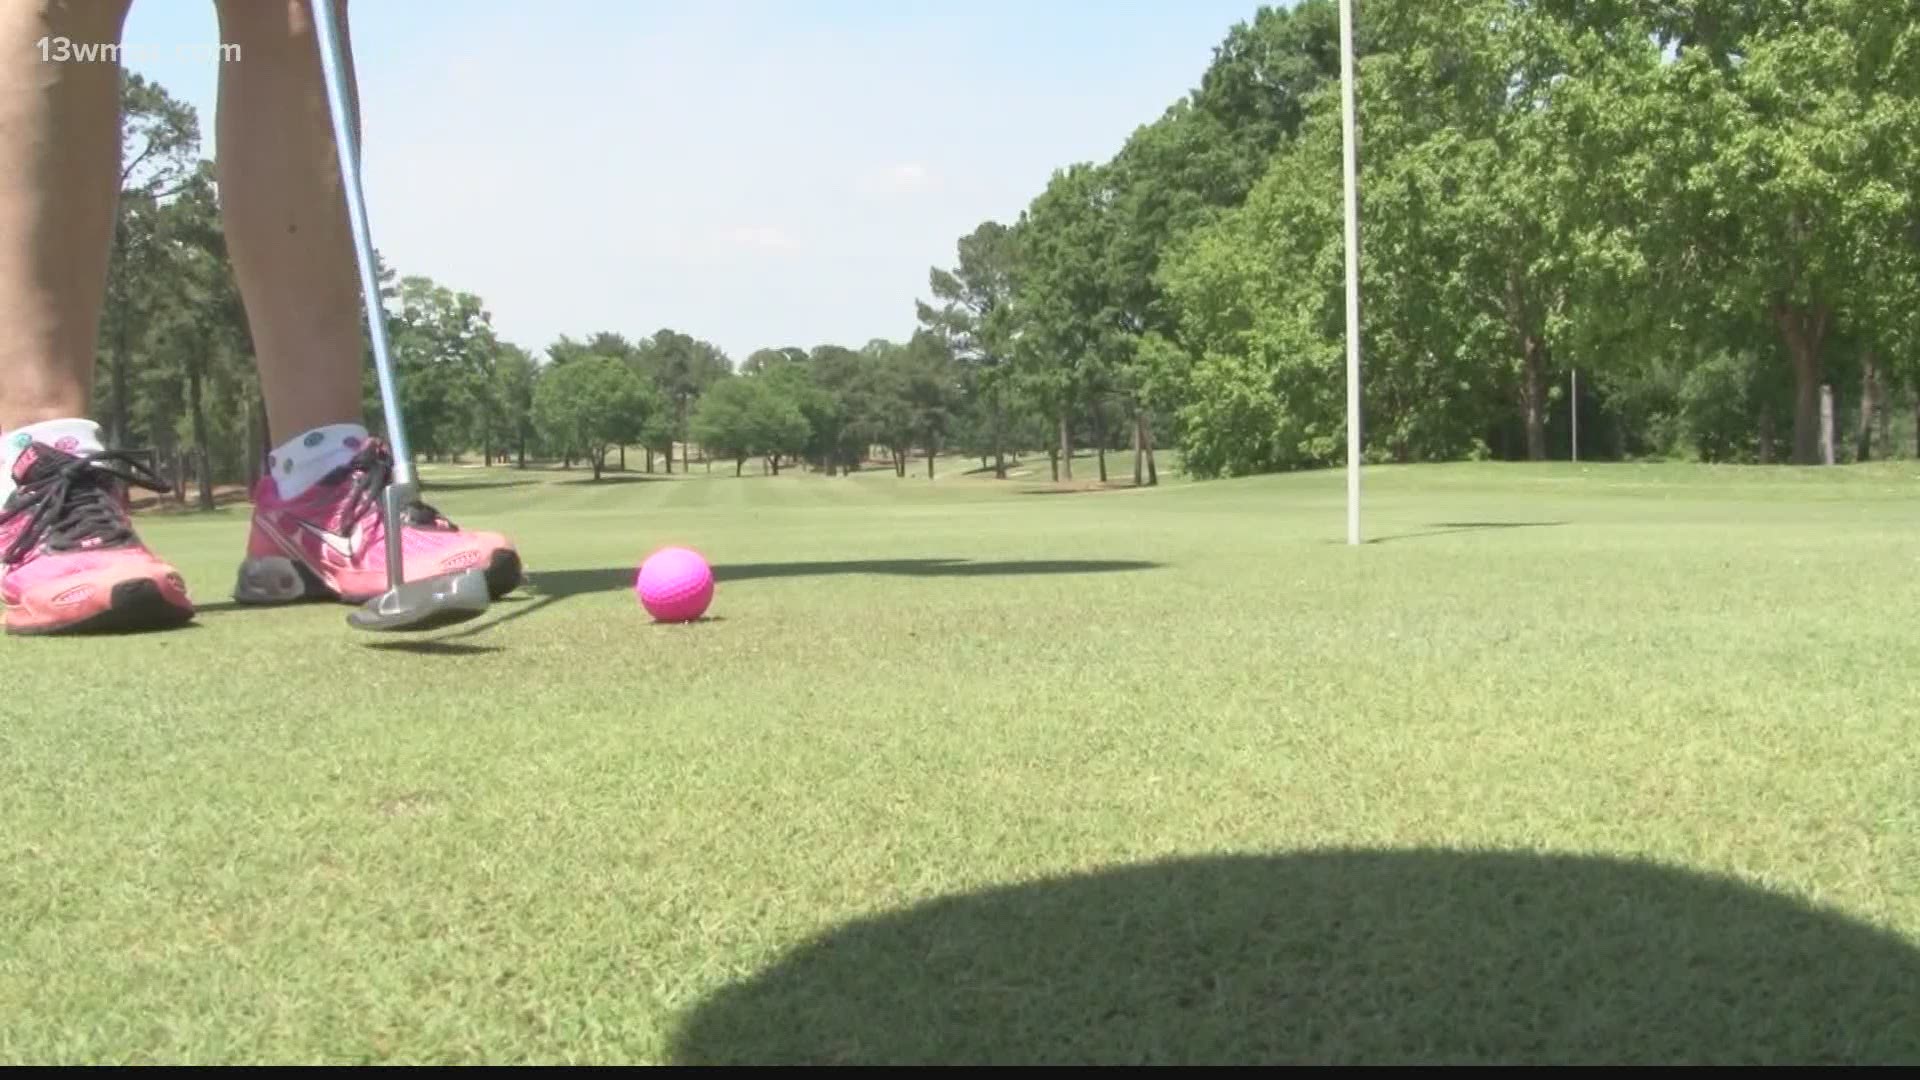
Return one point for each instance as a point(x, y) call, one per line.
point(333, 66)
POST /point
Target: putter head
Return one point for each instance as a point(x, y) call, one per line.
point(426, 604)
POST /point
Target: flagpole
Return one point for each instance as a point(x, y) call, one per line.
point(1353, 272)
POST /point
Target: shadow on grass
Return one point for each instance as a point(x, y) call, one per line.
point(433, 647)
point(1448, 528)
point(612, 479)
point(549, 587)
point(1092, 487)
point(928, 568)
point(444, 484)
point(227, 607)
point(1427, 956)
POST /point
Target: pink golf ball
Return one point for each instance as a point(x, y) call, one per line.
point(675, 584)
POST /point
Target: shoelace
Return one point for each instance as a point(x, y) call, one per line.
point(371, 467)
point(76, 502)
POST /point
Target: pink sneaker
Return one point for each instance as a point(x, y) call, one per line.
point(69, 559)
point(330, 541)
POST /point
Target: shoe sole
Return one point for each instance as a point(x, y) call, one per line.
point(134, 606)
point(504, 574)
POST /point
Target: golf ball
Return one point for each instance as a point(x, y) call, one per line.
point(675, 584)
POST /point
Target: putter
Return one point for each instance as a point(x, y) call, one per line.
point(406, 605)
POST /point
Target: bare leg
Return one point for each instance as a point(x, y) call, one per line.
point(286, 215)
point(59, 187)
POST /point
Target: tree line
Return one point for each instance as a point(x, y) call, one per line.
point(175, 377)
point(1705, 214)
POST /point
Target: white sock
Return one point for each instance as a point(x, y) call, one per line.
point(72, 436)
point(306, 459)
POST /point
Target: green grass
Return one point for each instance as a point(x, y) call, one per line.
point(1596, 763)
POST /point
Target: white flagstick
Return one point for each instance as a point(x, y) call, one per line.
point(1353, 274)
point(1574, 406)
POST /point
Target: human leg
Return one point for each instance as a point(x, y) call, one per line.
point(286, 217)
point(316, 527)
point(69, 556)
point(60, 140)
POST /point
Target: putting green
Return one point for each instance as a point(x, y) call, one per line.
point(1571, 764)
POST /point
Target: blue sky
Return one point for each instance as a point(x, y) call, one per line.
point(753, 173)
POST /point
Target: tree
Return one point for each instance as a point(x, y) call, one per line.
point(822, 413)
point(514, 378)
point(589, 405)
point(1259, 297)
point(681, 368)
point(780, 428)
point(974, 317)
point(1783, 144)
point(741, 417)
point(1265, 75)
point(1072, 338)
point(932, 392)
point(200, 330)
point(159, 147)
point(724, 421)
point(443, 348)
point(840, 413)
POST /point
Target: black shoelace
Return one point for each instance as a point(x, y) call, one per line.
point(371, 467)
point(73, 501)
